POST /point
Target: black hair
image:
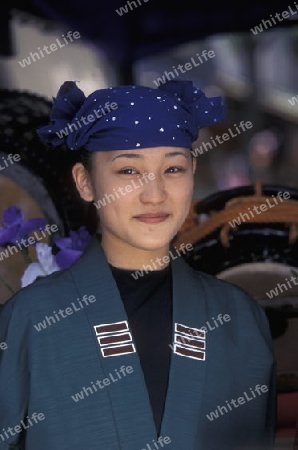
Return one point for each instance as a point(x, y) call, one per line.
point(85, 157)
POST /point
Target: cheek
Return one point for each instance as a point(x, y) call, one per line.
point(182, 192)
point(117, 209)
point(102, 186)
point(182, 197)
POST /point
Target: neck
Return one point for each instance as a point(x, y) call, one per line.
point(122, 255)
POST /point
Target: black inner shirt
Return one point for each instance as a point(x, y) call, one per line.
point(148, 305)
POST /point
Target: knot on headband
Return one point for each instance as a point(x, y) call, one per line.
point(205, 111)
point(66, 105)
point(128, 117)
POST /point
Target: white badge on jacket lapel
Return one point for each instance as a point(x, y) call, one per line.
point(189, 342)
point(114, 338)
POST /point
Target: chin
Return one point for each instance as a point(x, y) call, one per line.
point(155, 241)
point(151, 244)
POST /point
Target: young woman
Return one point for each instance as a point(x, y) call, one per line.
point(157, 354)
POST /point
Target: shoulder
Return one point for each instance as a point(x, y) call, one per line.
point(226, 289)
point(215, 284)
point(234, 300)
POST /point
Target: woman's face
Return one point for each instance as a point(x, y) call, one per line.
point(142, 196)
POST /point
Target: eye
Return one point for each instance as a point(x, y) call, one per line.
point(128, 171)
point(175, 169)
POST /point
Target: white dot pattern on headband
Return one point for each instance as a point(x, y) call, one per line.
point(165, 106)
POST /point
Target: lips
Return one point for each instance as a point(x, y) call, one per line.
point(152, 217)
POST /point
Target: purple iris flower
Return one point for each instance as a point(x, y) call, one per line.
point(16, 228)
point(72, 247)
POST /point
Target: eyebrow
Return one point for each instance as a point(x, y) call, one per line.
point(134, 155)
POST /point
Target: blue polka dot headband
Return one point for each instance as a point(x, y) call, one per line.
point(130, 117)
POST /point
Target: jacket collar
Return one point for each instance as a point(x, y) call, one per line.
point(130, 403)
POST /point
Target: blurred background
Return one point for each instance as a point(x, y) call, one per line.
point(254, 68)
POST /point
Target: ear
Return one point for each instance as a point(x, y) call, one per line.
point(83, 182)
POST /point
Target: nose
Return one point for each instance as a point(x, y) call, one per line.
point(154, 191)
